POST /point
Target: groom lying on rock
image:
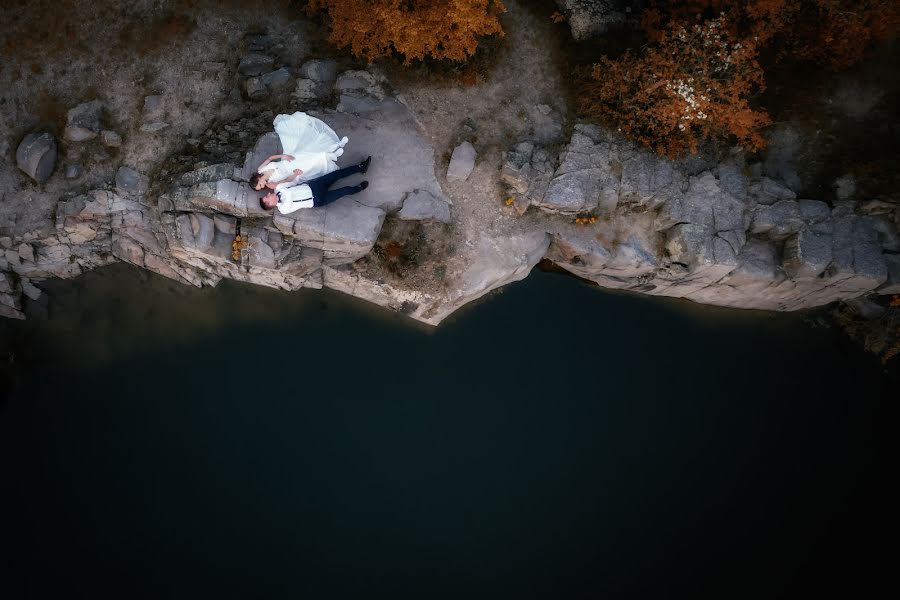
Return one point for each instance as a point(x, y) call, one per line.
point(289, 196)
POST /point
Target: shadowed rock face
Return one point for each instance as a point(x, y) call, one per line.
point(716, 237)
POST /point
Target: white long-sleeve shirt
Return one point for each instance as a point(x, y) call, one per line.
point(293, 197)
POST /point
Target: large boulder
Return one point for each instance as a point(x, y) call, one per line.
point(36, 156)
point(319, 70)
point(344, 230)
point(461, 163)
point(83, 122)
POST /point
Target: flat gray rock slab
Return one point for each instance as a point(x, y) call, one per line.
point(36, 156)
point(423, 206)
point(344, 229)
point(462, 162)
point(402, 161)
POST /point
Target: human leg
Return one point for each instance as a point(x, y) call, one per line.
point(329, 178)
point(330, 196)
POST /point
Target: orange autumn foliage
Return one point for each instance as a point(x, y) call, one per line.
point(692, 86)
point(442, 29)
point(836, 33)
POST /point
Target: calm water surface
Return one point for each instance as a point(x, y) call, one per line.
point(553, 441)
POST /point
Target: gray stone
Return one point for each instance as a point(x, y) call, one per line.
point(154, 127)
point(30, 290)
point(73, 171)
point(129, 181)
point(4, 149)
point(83, 121)
point(260, 254)
point(110, 138)
point(704, 203)
point(807, 253)
point(36, 156)
point(462, 162)
point(255, 64)
point(320, 70)
point(573, 192)
point(255, 88)
point(6, 284)
point(778, 220)
point(26, 252)
point(276, 79)
point(308, 90)
point(421, 205)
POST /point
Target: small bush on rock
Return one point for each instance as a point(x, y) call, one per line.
point(442, 29)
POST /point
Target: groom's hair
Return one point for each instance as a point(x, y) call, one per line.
point(262, 203)
point(254, 180)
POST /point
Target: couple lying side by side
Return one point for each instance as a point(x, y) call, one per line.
point(301, 176)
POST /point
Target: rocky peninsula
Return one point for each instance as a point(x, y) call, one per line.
point(471, 187)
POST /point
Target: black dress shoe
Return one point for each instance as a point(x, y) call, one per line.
point(364, 184)
point(364, 165)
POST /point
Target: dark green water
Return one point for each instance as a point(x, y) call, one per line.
point(554, 441)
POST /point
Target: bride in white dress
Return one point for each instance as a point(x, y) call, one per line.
point(311, 149)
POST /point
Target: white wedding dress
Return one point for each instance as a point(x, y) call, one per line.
point(313, 144)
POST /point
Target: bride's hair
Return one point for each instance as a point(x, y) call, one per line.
point(254, 180)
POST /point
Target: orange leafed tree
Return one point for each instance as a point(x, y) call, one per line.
point(836, 33)
point(442, 29)
point(693, 85)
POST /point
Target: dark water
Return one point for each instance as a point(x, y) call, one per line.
point(554, 441)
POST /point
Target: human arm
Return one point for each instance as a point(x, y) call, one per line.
point(273, 157)
point(292, 177)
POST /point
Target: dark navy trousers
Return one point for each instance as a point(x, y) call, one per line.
point(319, 186)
